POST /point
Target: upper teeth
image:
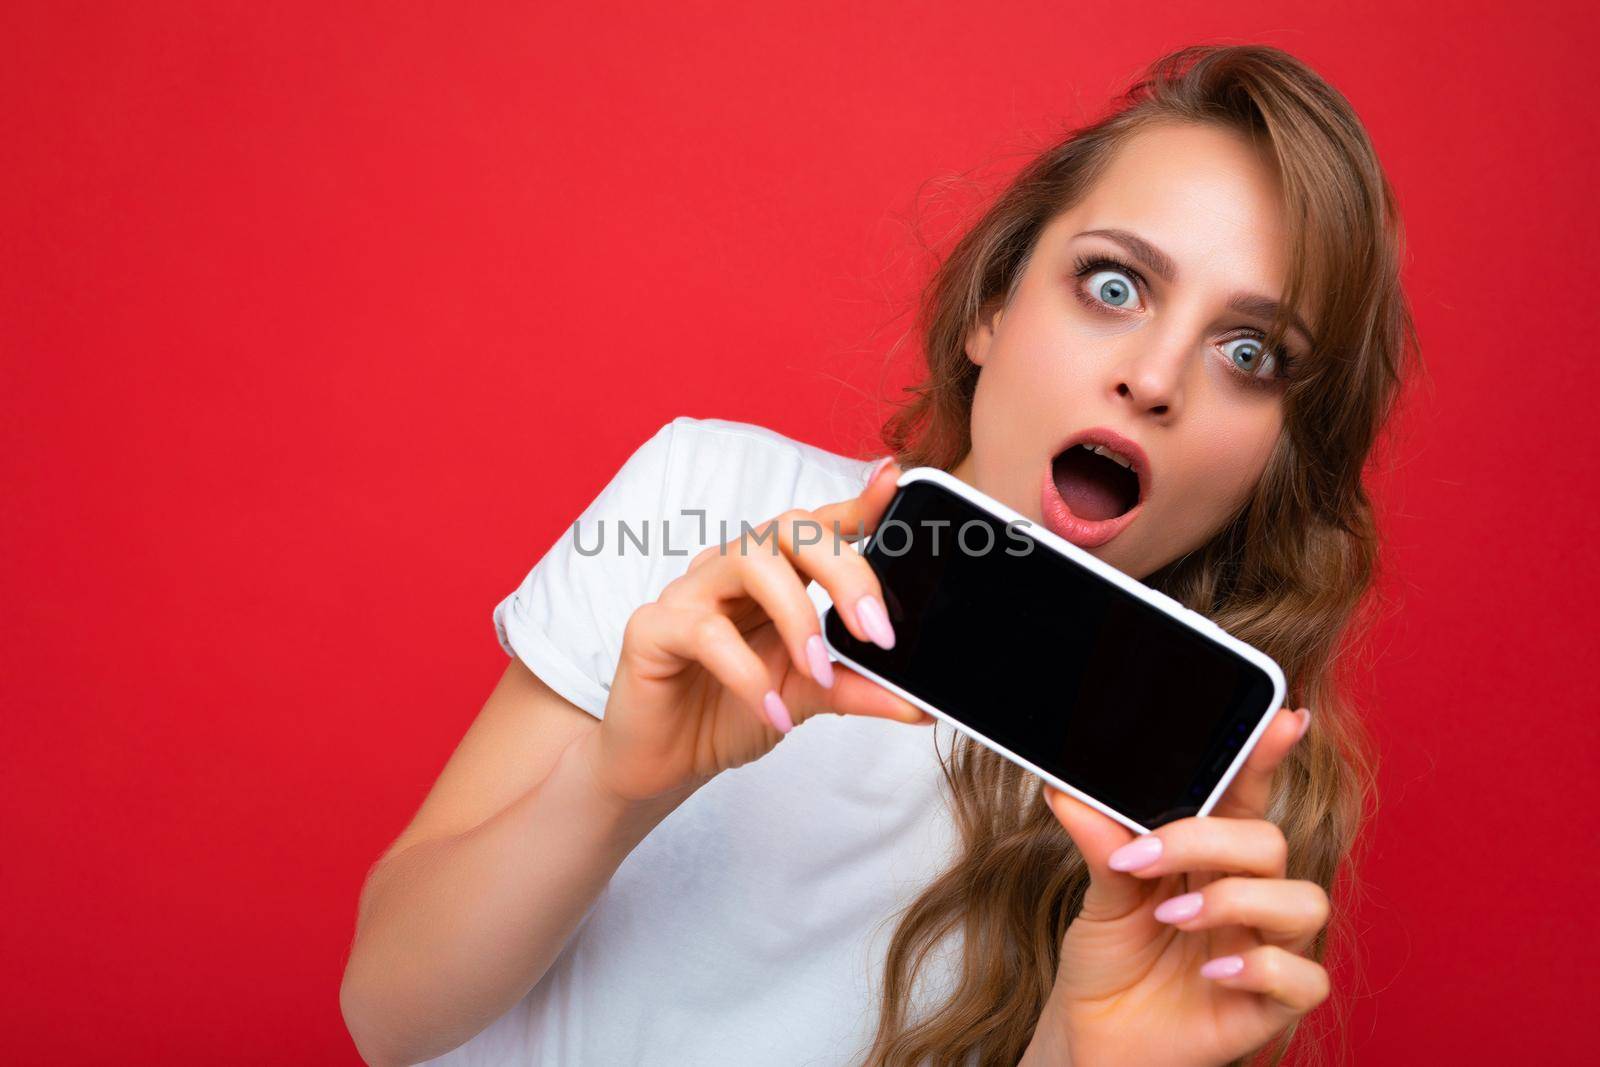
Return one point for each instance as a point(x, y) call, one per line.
point(1115, 457)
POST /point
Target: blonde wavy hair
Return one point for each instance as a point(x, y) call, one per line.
point(1288, 573)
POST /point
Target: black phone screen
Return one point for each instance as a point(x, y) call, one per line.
point(1052, 661)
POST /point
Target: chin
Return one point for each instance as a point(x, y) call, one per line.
point(1127, 563)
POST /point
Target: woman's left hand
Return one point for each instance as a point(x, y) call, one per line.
point(1188, 949)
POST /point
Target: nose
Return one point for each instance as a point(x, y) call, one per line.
point(1150, 378)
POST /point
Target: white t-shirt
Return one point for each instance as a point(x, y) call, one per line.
point(750, 926)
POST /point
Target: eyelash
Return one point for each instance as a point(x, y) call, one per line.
point(1087, 265)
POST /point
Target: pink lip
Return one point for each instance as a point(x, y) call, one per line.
point(1086, 533)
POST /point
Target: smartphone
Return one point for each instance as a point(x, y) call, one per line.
point(1107, 689)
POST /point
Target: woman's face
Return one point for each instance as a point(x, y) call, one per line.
point(1139, 321)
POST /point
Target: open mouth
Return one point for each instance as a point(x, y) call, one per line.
point(1094, 487)
point(1096, 482)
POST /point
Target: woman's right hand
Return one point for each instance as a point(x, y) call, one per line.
point(729, 657)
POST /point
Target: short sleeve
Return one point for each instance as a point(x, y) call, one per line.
point(565, 620)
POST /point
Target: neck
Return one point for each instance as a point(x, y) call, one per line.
point(963, 470)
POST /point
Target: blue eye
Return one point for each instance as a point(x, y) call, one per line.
point(1247, 356)
point(1115, 288)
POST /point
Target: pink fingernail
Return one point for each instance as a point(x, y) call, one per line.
point(817, 657)
point(773, 705)
point(1305, 723)
point(1223, 967)
point(875, 621)
point(1180, 909)
point(1140, 852)
point(877, 468)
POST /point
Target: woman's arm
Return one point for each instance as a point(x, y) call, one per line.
point(531, 816)
point(470, 905)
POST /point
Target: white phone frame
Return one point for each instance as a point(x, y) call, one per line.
point(1160, 601)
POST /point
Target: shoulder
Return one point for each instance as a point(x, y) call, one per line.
point(743, 470)
point(688, 485)
point(709, 437)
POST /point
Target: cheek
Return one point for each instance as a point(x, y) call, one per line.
point(1027, 389)
point(1047, 371)
point(1009, 423)
point(1224, 469)
point(1083, 325)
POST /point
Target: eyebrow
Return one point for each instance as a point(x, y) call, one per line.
point(1162, 266)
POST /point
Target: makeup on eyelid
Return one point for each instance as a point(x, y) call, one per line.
point(1110, 320)
point(1089, 324)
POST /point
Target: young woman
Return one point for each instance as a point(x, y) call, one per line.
point(653, 846)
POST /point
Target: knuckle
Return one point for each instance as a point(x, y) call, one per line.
point(768, 541)
point(676, 590)
point(1321, 986)
point(747, 561)
point(637, 622)
point(1269, 964)
point(1193, 824)
point(1173, 836)
point(1197, 835)
point(707, 631)
point(764, 576)
point(1222, 897)
point(1317, 906)
point(738, 549)
point(800, 529)
point(1275, 844)
point(760, 563)
point(752, 541)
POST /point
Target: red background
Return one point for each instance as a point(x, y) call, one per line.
point(319, 323)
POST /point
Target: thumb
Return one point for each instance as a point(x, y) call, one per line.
point(1111, 894)
point(882, 484)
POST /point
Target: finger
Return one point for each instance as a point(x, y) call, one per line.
point(770, 580)
point(1204, 843)
point(803, 543)
point(853, 694)
point(851, 582)
point(1291, 984)
point(853, 519)
point(814, 545)
point(773, 584)
point(771, 566)
point(1281, 911)
point(1111, 894)
point(1250, 791)
point(859, 515)
point(705, 555)
point(712, 640)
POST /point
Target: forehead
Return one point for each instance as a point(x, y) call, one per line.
point(1205, 195)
